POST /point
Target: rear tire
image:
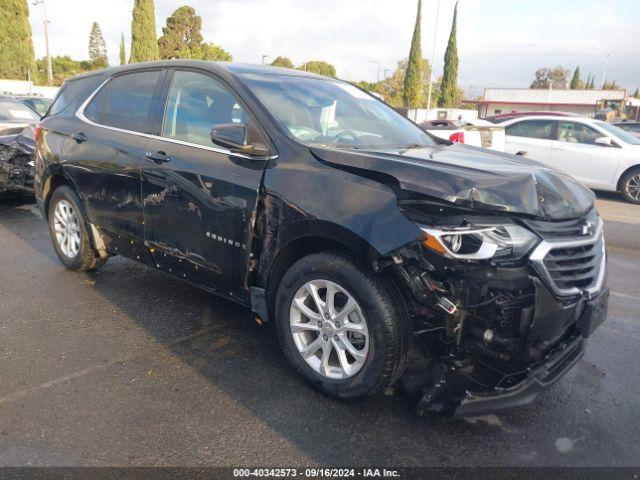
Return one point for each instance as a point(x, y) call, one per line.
point(367, 347)
point(630, 186)
point(69, 233)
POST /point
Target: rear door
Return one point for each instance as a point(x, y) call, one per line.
point(200, 199)
point(104, 152)
point(576, 153)
point(534, 137)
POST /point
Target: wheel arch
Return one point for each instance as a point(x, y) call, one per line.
point(305, 238)
point(624, 174)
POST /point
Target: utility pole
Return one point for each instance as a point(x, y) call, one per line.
point(46, 41)
point(433, 55)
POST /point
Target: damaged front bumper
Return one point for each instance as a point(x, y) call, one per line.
point(490, 336)
point(16, 164)
point(543, 374)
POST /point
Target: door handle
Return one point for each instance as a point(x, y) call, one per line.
point(158, 157)
point(79, 137)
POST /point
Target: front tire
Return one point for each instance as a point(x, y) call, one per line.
point(630, 186)
point(340, 326)
point(69, 233)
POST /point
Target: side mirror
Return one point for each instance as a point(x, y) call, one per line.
point(603, 141)
point(234, 137)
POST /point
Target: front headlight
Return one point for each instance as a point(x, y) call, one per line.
point(480, 242)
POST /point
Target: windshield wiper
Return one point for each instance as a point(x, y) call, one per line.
point(412, 146)
point(345, 145)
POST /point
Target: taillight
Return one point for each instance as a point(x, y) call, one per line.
point(37, 131)
point(457, 137)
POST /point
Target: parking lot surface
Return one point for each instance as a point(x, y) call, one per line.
point(126, 366)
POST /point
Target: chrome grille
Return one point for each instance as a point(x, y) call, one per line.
point(572, 266)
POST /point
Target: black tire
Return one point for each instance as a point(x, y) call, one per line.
point(633, 175)
point(383, 312)
point(86, 258)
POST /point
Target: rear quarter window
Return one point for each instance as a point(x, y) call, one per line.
point(68, 94)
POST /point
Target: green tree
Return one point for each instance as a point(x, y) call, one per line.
point(449, 87)
point(144, 41)
point(123, 51)
point(412, 94)
point(576, 83)
point(556, 78)
point(214, 53)
point(182, 38)
point(320, 67)
point(592, 85)
point(97, 47)
point(610, 86)
point(17, 60)
point(637, 93)
point(282, 62)
point(63, 67)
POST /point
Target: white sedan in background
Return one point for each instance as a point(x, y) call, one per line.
point(599, 154)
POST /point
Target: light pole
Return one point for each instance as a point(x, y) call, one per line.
point(46, 41)
point(604, 70)
point(433, 55)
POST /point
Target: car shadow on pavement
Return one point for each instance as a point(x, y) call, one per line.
point(222, 342)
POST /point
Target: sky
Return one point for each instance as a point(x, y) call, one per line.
point(501, 43)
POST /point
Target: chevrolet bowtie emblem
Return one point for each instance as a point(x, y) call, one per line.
point(588, 229)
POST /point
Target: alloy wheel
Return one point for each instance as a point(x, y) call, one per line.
point(67, 229)
point(633, 187)
point(329, 329)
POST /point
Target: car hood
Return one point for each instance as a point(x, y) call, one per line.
point(470, 177)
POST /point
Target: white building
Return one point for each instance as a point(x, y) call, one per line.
point(506, 100)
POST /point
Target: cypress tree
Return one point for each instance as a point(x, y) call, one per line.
point(576, 83)
point(182, 38)
point(412, 94)
point(123, 51)
point(97, 47)
point(17, 59)
point(637, 94)
point(593, 83)
point(144, 41)
point(449, 86)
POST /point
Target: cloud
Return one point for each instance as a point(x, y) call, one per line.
point(499, 42)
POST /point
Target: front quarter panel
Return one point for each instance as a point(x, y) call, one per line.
point(305, 197)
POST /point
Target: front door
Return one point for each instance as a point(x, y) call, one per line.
point(576, 153)
point(199, 199)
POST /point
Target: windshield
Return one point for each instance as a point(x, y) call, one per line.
point(618, 132)
point(13, 111)
point(328, 112)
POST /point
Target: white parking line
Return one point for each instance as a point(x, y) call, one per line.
point(624, 295)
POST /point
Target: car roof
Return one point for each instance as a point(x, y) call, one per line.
point(549, 117)
point(215, 67)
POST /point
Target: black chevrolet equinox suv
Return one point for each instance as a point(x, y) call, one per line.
point(468, 279)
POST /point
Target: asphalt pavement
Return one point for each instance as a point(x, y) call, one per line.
point(128, 367)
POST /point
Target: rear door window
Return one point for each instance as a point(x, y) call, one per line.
point(539, 129)
point(129, 101)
